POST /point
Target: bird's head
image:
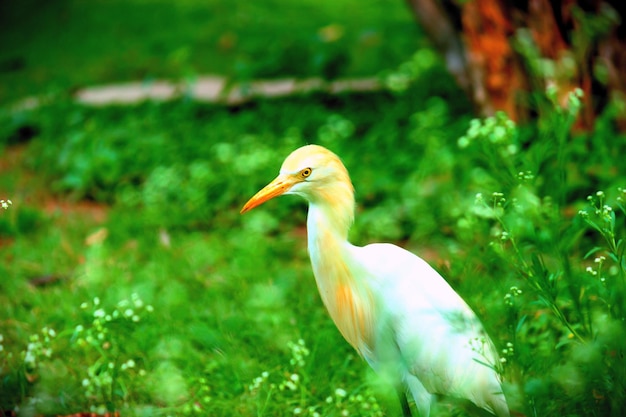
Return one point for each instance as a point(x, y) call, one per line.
point(313, 172)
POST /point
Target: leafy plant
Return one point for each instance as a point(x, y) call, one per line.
point(109, 378)
point(291, 387)
point(565, 320)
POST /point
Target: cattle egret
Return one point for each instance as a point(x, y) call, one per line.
point(390, 305)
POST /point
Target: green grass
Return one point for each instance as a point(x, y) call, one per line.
point(55, 47)
point(174, 304)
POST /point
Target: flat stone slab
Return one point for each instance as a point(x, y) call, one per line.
point(216, 89)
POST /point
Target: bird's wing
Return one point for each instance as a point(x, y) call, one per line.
point(438, 337)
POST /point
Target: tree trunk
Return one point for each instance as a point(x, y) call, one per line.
point(500, 51)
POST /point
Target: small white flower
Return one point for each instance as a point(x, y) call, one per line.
point(463, 142)
point(511, 149)
point(591, 271)
point(341, 393)
point(29, 358)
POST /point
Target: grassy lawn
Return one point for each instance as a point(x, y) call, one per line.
point(129, 282)
point(47, 47)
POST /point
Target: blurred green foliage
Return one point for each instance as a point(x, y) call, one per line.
point(499, 202)
point(57, 47)
point(174, 304)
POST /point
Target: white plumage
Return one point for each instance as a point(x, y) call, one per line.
point(390, 305)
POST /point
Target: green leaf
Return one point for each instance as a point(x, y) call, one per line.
point(592, 251)
point(520, 323)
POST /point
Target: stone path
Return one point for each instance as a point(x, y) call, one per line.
point(216, 89)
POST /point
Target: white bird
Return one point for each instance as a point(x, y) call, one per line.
point(389, 304)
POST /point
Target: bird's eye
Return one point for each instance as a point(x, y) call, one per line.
point(305, 172)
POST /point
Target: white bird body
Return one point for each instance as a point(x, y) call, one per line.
point(389, 304)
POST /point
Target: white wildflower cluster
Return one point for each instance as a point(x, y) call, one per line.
point(524, 176)
point(290, 390)
point(601, 210)
point(5, 204)
point(504, 235)
point(299, 352)
point(198, 404)
point(498, 130)
point(306, 411)
point(498, 199)
point(621, 198)
point(491, 207)
point(509, 297)
point(103, 375)
point(97, 333)
point(597, 271)
point(38, 348)
point(574, 102)
point(291, 383)
point(101, 381)
point(574, 97)
point(258, 381)
point(508, 351)
point(477, 344)
point(351, 404)
point(126, 310)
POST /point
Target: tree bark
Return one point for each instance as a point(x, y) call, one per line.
point(501, 51)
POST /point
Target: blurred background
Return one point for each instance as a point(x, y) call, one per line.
point(485, 136)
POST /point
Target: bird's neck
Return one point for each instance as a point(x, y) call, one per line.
point(339, 280)
point(328, 222)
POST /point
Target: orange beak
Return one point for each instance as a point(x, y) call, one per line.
point(279, 186)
